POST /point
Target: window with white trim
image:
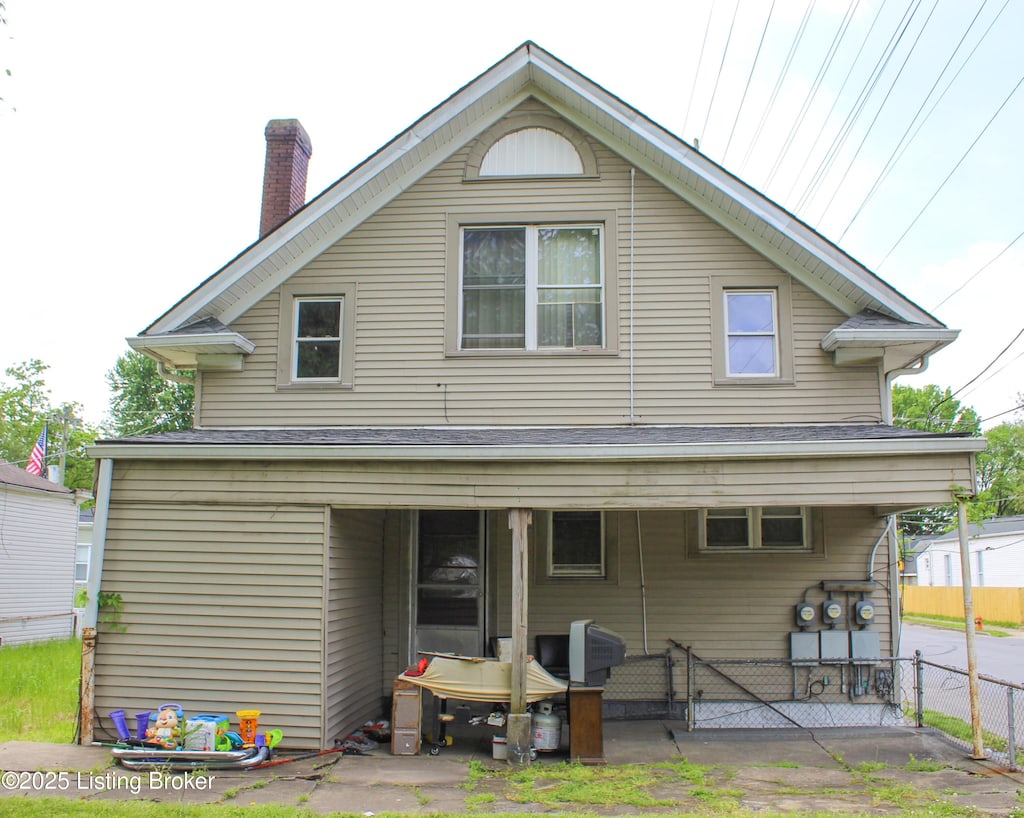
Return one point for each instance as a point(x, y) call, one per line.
point(768, 528)
point(576, 546)
point(317, 352)
point(531, 287)
point(752, 340)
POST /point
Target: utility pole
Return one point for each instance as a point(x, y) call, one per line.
point(972, 655)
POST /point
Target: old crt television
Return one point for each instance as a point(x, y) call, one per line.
point(593, 652)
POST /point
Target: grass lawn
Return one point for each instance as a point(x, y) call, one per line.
point(39, 684)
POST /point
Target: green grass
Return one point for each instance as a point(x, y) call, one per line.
point(40, 691)
point(989, 626)
point(958, 728)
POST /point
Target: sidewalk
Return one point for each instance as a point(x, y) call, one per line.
point(844, 770)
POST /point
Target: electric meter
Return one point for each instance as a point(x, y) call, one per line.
point(804, 614)
point(865, 612)
point(832, 611)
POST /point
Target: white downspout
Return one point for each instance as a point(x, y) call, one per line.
point(632, 239)
point(889, 377)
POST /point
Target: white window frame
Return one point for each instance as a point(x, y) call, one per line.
point(87, 549)
point(754, 516)
point(568, 570)
point(297, 339)
point(774, 334)
point(532, 285)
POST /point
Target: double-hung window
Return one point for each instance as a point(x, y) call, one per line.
point(532, 287)
point(576, 544)
point(752, 341)
point(771, 528)
point(318, 339)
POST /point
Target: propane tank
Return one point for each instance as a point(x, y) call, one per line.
point(547, 728)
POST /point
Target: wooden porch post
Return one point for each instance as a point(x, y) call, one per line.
point(519, 733)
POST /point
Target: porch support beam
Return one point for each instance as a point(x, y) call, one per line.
point(519, 732)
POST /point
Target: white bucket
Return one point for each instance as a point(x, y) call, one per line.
point(499, 748)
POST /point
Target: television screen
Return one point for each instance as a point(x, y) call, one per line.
point(593, 652)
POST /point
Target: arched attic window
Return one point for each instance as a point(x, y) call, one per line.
point(531, 144)
point(532, 152)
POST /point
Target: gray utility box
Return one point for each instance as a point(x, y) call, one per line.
point(865, 647)
point(803, 647)
point(835, 645)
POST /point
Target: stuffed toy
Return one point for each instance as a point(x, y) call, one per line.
point(166, 726)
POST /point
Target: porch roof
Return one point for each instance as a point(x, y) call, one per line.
point(540, 442)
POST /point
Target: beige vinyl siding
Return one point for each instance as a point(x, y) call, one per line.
point(222, 610)
point(895, 480)
point(730, 606)
point(397, 260)
point(354, 621)
point(38, 533)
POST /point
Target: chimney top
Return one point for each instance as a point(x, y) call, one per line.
point(284, 174)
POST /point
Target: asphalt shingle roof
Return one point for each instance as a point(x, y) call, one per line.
point(533, 435)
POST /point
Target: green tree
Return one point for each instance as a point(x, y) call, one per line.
point(1001, 472)
point(25, 408)
point(143, 402)
point(931, 409)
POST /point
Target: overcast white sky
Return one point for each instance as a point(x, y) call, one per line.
point(131, 140)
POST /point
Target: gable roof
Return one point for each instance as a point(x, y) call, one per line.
point(996, 526)
point(11, 475)
point(530, 71)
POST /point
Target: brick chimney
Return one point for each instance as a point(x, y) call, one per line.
point(284, 175)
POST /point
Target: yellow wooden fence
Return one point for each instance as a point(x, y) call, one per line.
point(991, 604)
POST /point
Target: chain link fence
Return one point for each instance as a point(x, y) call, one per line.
point(787, 693)
point(939, 696)
point(738, 693)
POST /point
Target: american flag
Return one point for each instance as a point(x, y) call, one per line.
point(35, 460)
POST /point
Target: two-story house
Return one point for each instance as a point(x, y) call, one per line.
point(535, 360)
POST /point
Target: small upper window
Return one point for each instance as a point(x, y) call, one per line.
point(532, 152)
point(576, 544)
point(752, 347)
point(318, 334)
point(772, 528)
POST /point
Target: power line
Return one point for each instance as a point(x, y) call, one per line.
point(778, 84)
point(904, 143)
point(979, 272)
point(839, 93)
point(721, 68)
point(862, 99)
point(954, 170)
point(878, 113)
point(696, 74)
point(837, 39)
point(988, 366)
point(750, 77)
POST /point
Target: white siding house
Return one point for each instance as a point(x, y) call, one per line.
point(38, 532)
point(997, 556)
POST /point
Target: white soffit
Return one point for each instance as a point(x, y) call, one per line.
point(532, 71)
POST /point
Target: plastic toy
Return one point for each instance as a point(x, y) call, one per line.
point(166, 726)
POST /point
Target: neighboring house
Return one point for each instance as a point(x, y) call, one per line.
point(83, 558)
point(996, 550)
point(534, 299)
point(38, 520)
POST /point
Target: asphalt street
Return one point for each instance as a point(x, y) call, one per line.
point(998, 657)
